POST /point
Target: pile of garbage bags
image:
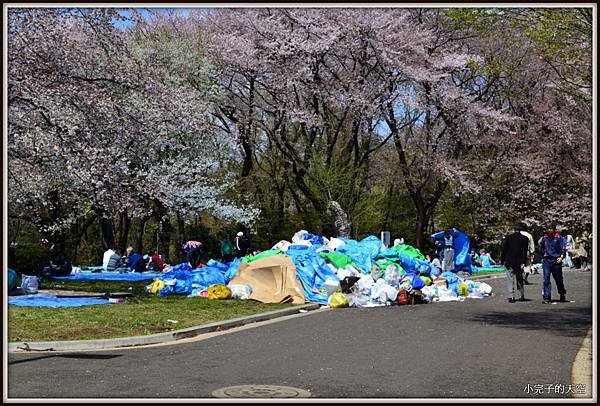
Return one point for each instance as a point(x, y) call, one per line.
point(338, 272)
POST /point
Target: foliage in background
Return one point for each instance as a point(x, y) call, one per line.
point(196, 126)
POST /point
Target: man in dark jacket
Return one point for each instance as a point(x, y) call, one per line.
point(59, 264)
point(553, 248)
point(514, 257)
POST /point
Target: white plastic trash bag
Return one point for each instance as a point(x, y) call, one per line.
point(430, 293)
point(29, 284)
point(335, 243)
point(299, 237)
point(282, 245)
point(447, 295)
point(484, 288)
point(356, 299)
point(475, 294)
point(353, 271)
point(392, 276)
point(364, 284)
point(377, 293)
point(240, 291)
point(390, 292)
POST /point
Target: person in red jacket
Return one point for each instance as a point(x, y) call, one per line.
point(156, 261)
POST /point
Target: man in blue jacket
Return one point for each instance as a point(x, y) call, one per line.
point(133, 259)
point(553, 248)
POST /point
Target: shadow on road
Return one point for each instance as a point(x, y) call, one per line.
point(569, 322)
point(75, 356)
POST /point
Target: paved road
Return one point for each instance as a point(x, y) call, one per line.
point(485, 348)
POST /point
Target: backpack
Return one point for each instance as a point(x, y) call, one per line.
point(226, 247)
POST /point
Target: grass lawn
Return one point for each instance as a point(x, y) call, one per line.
point(140, 315)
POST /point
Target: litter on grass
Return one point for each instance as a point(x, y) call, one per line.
point(336, 272)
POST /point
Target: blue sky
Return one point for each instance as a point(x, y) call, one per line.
point(144, 11)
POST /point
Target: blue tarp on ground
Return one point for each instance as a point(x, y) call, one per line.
point(110, 276)
point(363, 252)
point(312, 271)
point(40, 300)
point(492, 268)
point(183, 280)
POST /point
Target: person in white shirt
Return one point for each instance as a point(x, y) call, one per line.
point(106, 257)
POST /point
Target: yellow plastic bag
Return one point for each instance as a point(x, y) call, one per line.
point(463, 290)
point(156, 286)
point(338, 299)
point(218, 291)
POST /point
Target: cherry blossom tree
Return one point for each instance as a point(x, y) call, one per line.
point(340, 84)
point(100, 123)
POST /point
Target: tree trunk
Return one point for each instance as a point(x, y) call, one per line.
point(106, 228)
point(423, 217)
point(180, 230)
point(164, 240)
point(139, 240)
point(125, 224)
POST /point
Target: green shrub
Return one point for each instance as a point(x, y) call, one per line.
point(28, 259)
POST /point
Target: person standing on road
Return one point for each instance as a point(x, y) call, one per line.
point(522, 227)
point(446, 241)
point(514, 257)
point(553, 248)
point(583, 249)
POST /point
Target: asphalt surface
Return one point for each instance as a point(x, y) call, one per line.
point(479, 348)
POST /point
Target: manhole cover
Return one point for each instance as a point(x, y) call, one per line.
point(260, 391)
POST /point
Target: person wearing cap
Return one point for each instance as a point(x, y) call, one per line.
point(514, 257)
point(241, 244)
point(553, 248)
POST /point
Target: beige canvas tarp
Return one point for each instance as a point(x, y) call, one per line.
point(273, 280)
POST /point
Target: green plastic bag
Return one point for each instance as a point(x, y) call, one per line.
point(338, 259)
point(251, 258)
point(409, 250)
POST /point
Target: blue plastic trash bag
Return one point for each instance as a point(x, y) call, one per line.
point(216, 264)
point(204, 277)
point(314, 239)
point(415, 281)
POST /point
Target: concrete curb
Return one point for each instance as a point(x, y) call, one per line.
point(159, 338)
point(581, 372)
